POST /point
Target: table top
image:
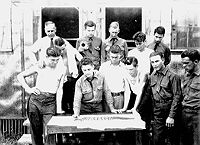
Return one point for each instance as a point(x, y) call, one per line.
point(94, 123)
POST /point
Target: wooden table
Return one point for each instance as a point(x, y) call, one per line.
point(92, 123)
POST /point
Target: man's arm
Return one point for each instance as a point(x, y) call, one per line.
point(77, 99)
point(108, 97)
point(21, 78)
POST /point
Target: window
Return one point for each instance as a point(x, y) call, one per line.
point(129, 18)
point(66, 20)
point(185, 27)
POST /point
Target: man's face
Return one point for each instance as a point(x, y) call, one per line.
point(156, 62)
point(188, 65)
point(158, 37)
point(52, 61)
point(88, 70)
point(114, 58)
point(114, 32)
point(140, 45)
point(89, 31)
point(50, 30)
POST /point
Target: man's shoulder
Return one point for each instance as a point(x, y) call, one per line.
point(164, 45)
point(151, 45)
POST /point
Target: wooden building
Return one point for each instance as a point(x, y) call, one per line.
point(23, 22)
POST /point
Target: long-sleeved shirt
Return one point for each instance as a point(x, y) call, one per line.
point(94, 50)
point(161, 47)
point(91, 92)
point(166, 86)
point(109, 42)
point(191, 91)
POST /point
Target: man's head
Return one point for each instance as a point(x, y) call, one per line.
point(114, 29)
point(190, 60)
point(87, 67)
point(53, 54)
point(140, 39)
point(60, 43)
point(115, 54)
point(157, 60)
point(131, 64)
point(159, 33)
point(50, 29)
point(90, 28)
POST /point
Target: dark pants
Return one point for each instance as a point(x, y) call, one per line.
point(89, 108)
point(68, 95)
point(40, 109)
point(162, 135)
point(190, 127)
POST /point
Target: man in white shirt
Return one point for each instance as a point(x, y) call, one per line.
point(116, 77)
point(40, 46)
point(142, 53)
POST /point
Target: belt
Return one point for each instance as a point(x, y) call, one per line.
point(117, 94)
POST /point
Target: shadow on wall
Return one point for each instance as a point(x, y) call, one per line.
point(10, 89)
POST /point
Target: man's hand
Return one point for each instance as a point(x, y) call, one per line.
point(121, 110)
point(76, 116)
point(33, 90)
point(169, 122)
point(114, 111)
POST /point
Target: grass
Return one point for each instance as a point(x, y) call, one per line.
point(11, 140)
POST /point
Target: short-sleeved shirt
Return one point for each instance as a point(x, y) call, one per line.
point(94, 51)
point(191, 91)
point(41, 46)
point(118, 41)
point(115, 76)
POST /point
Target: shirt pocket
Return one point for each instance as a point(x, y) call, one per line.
point(99, 92)
point(194, 89)
point(166, 89)
point(87, 94)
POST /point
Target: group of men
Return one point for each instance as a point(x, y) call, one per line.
point(100, 82)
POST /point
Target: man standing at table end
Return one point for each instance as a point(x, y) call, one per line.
point(190, 118)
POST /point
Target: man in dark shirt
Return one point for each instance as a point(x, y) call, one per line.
point(114, 39)
point(90, 45)
point(190, 118)
point(158, 46)
point(165, 87)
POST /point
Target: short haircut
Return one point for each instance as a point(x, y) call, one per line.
point(192, 54)
point(114, 25)
point(131, 60)
point(139, 37)
point(89, 24)
point(115, 49)
point(86, 61)
point(160, 30)
point(59, 41)
point(49, 23)
point(53, 51)
point(156, 53)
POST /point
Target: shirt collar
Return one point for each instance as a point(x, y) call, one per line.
point(110, 38)
point(95, 75)
point(162, 71)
